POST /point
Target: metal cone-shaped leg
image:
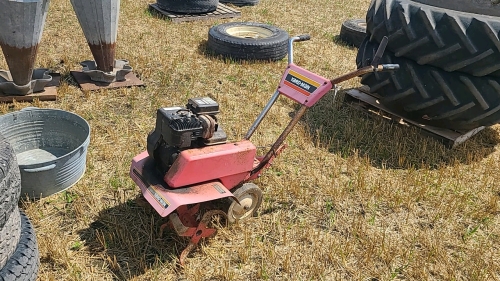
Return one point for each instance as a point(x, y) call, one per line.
point(21, 27)
point(99, 22)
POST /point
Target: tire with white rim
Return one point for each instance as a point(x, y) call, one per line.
point(249, 196)
point(248, 41)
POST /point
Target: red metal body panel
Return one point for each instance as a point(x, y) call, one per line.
point(303, 86)
point(230, 163)
point(164, 199)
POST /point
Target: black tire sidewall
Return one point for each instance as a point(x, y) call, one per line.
point(9, 236)
point(352, 32)
point(188, 6)
point(24, 262)
point(241, 2)
point(10, 181)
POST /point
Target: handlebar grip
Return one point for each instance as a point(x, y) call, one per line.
point(388, 67)
point(304, 37)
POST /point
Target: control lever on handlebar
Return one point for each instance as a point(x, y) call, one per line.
point(303, 37)
point(380, 51)
point(378, 57)
point(387, 67)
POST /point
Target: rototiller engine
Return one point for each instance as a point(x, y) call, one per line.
point(189, 161)
point(181, 128)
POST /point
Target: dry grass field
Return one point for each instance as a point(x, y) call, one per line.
point(351, 198)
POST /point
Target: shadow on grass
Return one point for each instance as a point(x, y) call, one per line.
point(347, 131)
point(337, 40)
point(127, 240)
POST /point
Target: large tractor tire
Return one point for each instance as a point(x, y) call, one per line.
point(431, 96)
point(10, 181)
point(454, 35)
point(24, 262)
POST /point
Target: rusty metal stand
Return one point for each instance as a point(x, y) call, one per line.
point(86, 84)
point(221, 12)
point(360, 98)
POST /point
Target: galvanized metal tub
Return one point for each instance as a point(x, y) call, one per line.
point(51, 148)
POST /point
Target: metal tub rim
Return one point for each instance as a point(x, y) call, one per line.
point(51, 146)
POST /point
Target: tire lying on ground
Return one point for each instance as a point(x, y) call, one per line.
point(353, 31)
point(9, 236)
point(10, 181)
point(188, 6)
point(24, 262)
point(248, 41)
point(431, 96)
point(241, 2)
point(455, 35)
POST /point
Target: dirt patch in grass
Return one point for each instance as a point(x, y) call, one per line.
point(350, 198)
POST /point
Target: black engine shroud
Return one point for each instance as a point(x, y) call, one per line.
point(179, 128)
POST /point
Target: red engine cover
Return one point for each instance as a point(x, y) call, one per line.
point(230, 163)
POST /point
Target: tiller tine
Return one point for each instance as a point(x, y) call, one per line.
point(185, 223)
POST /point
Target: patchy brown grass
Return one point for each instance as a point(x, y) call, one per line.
point(351, 198)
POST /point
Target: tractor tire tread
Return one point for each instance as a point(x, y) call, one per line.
point(431, 96)
point(445, 38)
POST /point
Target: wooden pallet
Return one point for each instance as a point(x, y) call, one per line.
point(86, 84)
point(221, 12)
point(49, 93)
point(361, 99)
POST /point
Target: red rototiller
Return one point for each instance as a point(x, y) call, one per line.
point(188, 160)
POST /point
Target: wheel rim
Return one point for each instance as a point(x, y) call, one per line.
point(246, 207)
point(250, 32)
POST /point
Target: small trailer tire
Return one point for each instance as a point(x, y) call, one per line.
point(248, 41)
point(353, 31)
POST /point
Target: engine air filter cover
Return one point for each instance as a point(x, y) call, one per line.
point(203, 105)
